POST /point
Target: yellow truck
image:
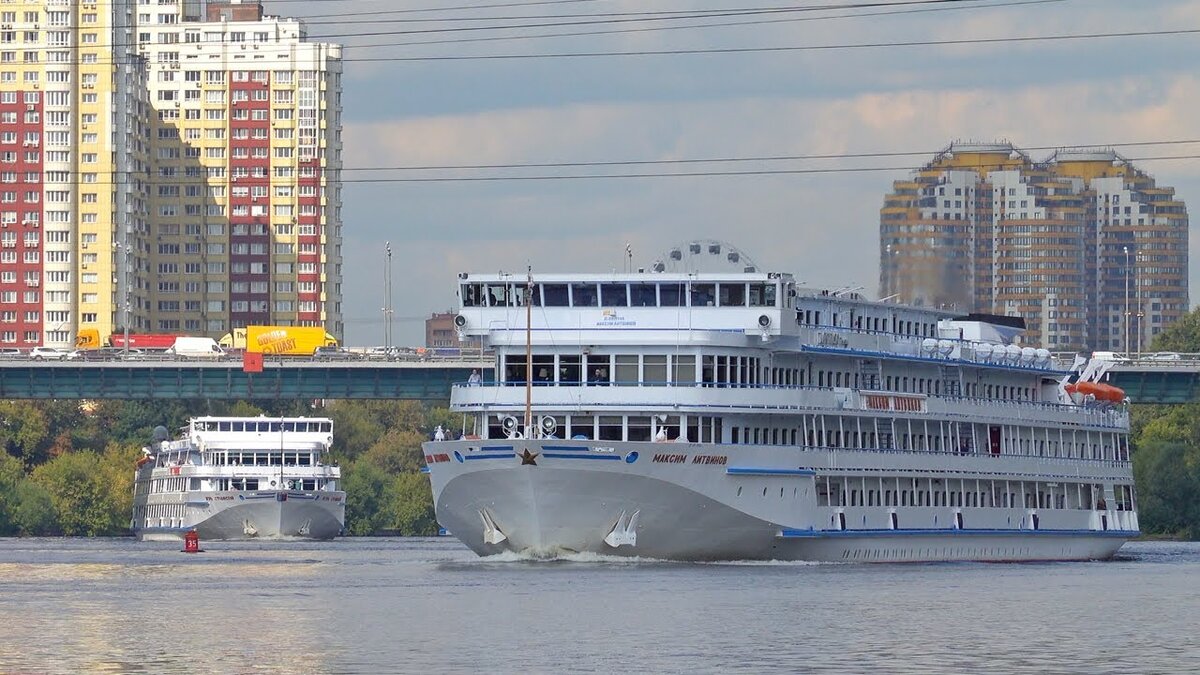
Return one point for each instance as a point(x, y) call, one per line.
point(279, 340)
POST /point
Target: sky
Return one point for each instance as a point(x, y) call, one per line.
point(822, 227)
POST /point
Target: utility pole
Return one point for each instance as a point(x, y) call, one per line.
point(387, 299)
point(1126, 322)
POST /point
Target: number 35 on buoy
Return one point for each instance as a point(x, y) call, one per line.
point(191, 542)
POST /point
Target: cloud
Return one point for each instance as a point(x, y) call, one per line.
point(823, 227)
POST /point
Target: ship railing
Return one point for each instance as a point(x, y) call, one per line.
point(985, 456)
point(257, 470)
point(766, 397)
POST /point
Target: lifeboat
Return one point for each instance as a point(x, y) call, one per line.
point(1088, 389)
point(1107, 392)
point(142, 461)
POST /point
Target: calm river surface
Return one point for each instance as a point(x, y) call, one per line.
point(431, 606)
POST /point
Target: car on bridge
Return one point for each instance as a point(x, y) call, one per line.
point(48, 354)
point(335, 353)
point(12, 353)
point(104, 354)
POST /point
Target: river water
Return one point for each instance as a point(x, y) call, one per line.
point(431, 606)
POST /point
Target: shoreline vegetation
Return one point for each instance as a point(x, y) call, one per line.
point(67, 466)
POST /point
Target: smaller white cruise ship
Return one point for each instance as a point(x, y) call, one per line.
point(240, 478)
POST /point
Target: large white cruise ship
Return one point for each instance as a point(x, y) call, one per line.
point(739, 416)
point(240, 478)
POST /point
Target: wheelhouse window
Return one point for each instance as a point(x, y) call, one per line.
point(584, 295)
point(642, 295)
point(555, 295)
point(762, 295)
point(613, 295)
point(703, 295)
point(534, 295)
point(671, 295)
point(732, 295)
point(472, 295)
point(498, 295)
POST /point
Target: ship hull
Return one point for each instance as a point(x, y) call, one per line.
point(669, 505)
point(261, 515)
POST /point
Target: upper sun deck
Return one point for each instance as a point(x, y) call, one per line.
point(710, 308)
point(260, 431)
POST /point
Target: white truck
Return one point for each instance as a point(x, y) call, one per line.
point(196, 348)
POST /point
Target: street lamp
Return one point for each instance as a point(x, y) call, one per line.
point(1126, 322)
point(387, 300)
point(1137, 291)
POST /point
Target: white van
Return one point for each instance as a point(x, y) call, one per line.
point(196, 347)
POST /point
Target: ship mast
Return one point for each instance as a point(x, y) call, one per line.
point(528, 352)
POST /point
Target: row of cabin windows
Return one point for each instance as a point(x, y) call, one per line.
point(245, 458)
point(841, 491)
point(720, 370)
point(879, 324)
point(861, 433)
point(640, 294)
point(694, 428)
point(633, 369)
point(263, 426)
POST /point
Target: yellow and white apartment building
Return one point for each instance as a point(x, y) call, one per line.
point(1082, 245)
point(170, 166)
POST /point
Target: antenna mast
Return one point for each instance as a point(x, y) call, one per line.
point(529, 352)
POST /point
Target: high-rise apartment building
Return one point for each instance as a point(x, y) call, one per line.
point(165, 167)
point(1083, 245)
point(73, 128)
point(245, 148)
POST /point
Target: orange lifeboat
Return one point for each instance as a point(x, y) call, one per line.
point(1089, 388)
point(1107, 392)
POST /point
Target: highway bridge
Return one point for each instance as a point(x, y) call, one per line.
point(1153, 378)
point(1159, 378)
point(294, 379)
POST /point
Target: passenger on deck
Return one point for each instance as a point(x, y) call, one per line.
point(474, 379)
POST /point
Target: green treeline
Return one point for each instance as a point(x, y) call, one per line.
point(1166, 449)
point(67, 467)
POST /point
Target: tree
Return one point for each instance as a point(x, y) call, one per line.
point(1168, 480)
point(11, 475)
point(410, 505)
point(84, 500)
point(33, 509)
point(1181, 336)
point(24, 430)
point(364, 484)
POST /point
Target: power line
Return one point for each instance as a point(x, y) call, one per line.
point(795, 48)
point(792, 48)
point(654, 15)
point(718, 160)
point(695, 174)
point(271, 182)
point(719, 24)
point(700, 14)
point(415, 10)
point(750, 12)
point(274, 48)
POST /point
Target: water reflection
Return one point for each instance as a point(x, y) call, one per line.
point(432, 606)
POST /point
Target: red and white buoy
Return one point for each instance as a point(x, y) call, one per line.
point(191, 542)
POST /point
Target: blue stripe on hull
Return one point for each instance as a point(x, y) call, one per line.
point(798, 534)
point(757, 471)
